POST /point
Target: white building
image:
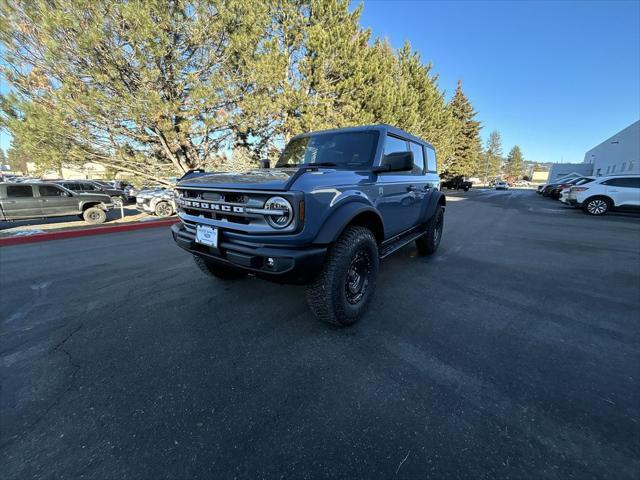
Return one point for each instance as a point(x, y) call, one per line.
point(618, 154)
point(562, 170)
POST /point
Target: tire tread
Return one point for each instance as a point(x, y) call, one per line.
point(321, 293)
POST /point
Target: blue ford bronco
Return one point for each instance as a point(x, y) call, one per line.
point(334, 205)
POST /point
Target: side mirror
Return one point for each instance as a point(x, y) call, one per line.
point(396, 162)
point(264, 163)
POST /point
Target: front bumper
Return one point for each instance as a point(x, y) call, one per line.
point(291, 265)
point(573, 202)
point(144, 205)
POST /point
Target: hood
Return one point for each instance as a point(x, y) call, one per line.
point(261, 179)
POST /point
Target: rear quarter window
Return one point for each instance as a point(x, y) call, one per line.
point(431, 159)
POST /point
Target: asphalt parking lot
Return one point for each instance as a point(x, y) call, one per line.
point(512, 353)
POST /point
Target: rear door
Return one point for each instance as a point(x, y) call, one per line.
point(20, 202)
point(56, 201)
point(401, 192)
point(625, 191)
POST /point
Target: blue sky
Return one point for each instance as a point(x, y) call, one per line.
point(554, 77)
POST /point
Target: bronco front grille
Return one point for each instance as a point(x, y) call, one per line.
point(244, 210)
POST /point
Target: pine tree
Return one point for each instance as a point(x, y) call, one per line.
point(492, 156)
point(465, 157)
point(514, 166)
point(145, 87)
point(154, 88)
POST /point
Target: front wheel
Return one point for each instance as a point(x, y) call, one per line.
point(343, 290)
point(163, 209)
point(117, 201)
point(430, 241)
point(94, 215)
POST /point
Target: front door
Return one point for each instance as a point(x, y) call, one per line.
point(21, 202)
point(56, 201)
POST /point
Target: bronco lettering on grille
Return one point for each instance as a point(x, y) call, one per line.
point(216, 207)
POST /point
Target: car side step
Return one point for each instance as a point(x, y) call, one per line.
point(400, 241)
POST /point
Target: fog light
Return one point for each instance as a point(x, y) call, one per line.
point(271, 262)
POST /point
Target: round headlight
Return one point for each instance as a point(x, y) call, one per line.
point(283, 212)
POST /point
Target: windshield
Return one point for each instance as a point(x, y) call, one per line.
point(582, 181)
point(345, 149)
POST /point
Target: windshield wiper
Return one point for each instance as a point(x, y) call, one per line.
point(322, 164)
point(308, 165)
point(288, 165)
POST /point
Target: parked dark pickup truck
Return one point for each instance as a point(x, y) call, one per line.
point(27, 201)
point(457, 183)
point(117, 195)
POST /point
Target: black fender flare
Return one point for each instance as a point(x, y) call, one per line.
point(341, 217)
point(436, 199)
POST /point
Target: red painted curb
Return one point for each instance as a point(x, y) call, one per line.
point(44, 237)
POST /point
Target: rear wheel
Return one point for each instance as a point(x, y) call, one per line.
point(342, 292)
point(597, 206)
point(163, 209)
point(94, 215)
point(430, 241)
point(217, 270)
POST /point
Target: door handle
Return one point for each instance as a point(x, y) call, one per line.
point(412, 188)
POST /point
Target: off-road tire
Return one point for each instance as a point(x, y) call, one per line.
point(429, 242)
point(94, 215)
point(331, 295)
point(214, 269)
point(597, 206)
point(163, 209)
point(117, 200)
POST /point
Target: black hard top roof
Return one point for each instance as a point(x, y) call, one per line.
point(381, 127)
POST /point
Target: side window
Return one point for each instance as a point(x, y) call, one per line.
point(628, 182)
point(70, 186)
point(50, 191)
point(88, 186)
point(418, 158)
point(19, 191)
point(431, 159)
point(394, 144)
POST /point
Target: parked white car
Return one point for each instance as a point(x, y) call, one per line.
point(564, 193)
point(160, 202)
point(502, 186)
point(620, 192)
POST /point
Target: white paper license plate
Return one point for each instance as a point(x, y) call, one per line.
point(207, 235)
